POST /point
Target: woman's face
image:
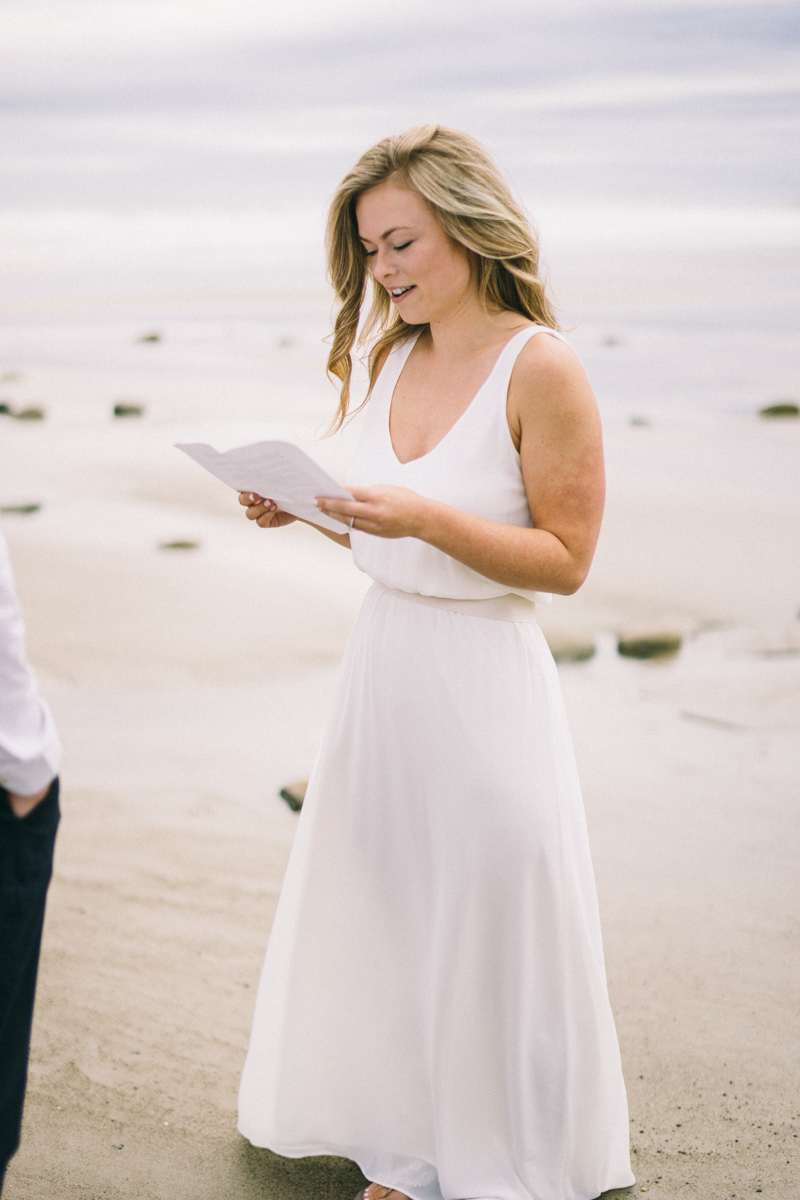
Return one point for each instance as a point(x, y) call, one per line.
point(427, 274)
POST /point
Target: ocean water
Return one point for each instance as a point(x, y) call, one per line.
point(173, 177)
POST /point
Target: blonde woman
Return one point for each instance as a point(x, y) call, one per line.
point(433, 1003)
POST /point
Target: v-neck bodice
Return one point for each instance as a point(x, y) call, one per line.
point(408, 347)
point(474, 467)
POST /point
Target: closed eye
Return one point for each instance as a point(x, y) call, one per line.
point(372, 253)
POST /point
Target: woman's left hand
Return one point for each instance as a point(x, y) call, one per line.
point(389, 512)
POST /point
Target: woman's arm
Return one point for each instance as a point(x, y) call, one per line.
point(553, 416)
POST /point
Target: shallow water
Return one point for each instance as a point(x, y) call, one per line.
point(180, 187)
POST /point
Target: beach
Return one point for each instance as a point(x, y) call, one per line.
point(190, 685)
point(190, 658)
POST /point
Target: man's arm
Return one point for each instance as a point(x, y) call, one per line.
point(30, 750)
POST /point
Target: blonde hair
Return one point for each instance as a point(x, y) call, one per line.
point(464, 187)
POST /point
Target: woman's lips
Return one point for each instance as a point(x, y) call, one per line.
point(402, 295)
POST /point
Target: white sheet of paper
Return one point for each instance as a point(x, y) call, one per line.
point(275, 471)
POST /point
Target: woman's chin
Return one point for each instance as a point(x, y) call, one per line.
point(413, 314)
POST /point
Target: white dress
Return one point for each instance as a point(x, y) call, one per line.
point(433, 1003)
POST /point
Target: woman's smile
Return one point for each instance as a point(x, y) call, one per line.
point(398, 293)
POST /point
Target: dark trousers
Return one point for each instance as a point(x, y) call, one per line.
point(26, 864)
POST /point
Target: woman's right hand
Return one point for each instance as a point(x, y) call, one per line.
point(264, 512)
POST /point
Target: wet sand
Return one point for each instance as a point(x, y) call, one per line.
point(190, 685)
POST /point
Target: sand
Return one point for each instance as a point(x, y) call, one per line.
point(189, 686)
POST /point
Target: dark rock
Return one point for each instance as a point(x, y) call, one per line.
point(178, 545)
point(5, 409)
point(128, 410)
point(154, 336)
point(781, 408)
point(22, 510)
point(660, 644)
point(294, 794)
point(29, 414)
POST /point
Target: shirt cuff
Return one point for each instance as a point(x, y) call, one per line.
point(23, 774)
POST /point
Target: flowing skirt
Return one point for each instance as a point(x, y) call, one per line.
point(433, 1003)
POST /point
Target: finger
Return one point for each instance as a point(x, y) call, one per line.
point(361, 493)
point(261, 506)
point(344, 517)
point(335, 507)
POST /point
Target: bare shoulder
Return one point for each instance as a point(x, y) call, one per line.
point(549, 387)
point(546, 361)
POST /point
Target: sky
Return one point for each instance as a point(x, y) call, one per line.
point(203, 103)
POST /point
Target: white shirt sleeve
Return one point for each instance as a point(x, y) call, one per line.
point(30, 750)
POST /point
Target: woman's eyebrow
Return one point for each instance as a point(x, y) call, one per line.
point(385, 235)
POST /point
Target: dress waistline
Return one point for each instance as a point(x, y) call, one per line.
point(510, 607)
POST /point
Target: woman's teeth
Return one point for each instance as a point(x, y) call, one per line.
point(401, 291)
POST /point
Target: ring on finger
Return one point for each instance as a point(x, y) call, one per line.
point(352, 522)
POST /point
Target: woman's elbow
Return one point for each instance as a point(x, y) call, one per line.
point(571, 578)
point(562, 588)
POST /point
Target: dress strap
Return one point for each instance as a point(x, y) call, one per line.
point(490, 402)
point(396, 360)
point(515, 345)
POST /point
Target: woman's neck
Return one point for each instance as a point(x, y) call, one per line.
point(470, 327)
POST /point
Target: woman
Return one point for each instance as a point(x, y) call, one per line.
point(433, 1004)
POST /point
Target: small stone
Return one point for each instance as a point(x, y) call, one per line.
point(781, 408)
point(570, 647)
point(294, 794)
point(286, 342)
point(180, 545)
point(20, 510)
point(643, 421)
point(128, 410)
point(10, 377)
point(611, 340)
point(29, 414)
point(5, 409)
point(153, 336)
point(659, 644)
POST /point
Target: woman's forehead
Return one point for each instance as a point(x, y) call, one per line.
point(389, 206)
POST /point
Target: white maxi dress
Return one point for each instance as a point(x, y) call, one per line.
point(433, 1003)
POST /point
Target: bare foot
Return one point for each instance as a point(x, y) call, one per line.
point(377, 1191)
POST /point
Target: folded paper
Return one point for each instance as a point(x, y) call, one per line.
point(275, 471)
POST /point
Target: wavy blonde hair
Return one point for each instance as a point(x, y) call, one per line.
point(464, 187)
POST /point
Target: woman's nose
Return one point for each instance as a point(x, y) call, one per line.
point(382, 267)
